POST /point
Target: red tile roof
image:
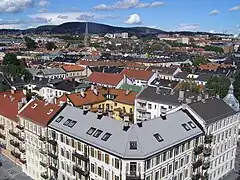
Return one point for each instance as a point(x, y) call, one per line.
point(9, 104)
point(105, 78)
point(41, 114)
point(71, 68)
point(137, 74)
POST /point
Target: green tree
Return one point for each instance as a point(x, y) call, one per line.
point(190, 86)
point(236, 85)
point(11, 59)
point(31, 45)
point(198, 60)
point(50, 46)
point(218, 85)
point(213, 48)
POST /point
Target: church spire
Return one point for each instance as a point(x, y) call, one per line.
point(230, 99)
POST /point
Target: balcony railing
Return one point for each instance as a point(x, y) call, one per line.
point(22, 150)
point(42, 138)
point(53, 167)
point(206, 165)
point(13, 133)
point(20, 127)
point(53, 154)
point(207, 152)
point(44, 175)
point(15, 154)
point(198, 150)
point(2, 126)
point(43, 151)
point(133, 175)
point(197, 164)
point(14, 143)
point(196, 176)
point(52, 141)
point(20, 138)
point(80, 170)
point(43, 163)
point(208, 139)
point(205, 176)
point(23, 161)
point(80, 156)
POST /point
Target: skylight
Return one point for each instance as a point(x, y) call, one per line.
point(91, 131)
point(50, 111)
point(158, 137)
point(72, 123)
point(59, 119)
point(192, 124)
point(66, 123)
point(133, 145)
point(34, 106)
point(97, 133)
point(186, 127)
point(106, 136)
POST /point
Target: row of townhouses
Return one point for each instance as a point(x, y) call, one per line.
point(59, 141)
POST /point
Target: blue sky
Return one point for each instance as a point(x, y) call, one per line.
point(193, 15)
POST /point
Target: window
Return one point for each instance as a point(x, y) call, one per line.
point(106, 136)
point(163, 172)
point(97, 133)
point(133, 145)
point(149, 106)
point(116, 163)
point(116, 177)
point(157, 175)
point(62, 152)
point(99, 156)
point(66, 123)
point(73, 143)
point(164, 156)
point(106, 158)
point(186, 127)
point(176, 165)
point(106, 175)
point(61, 137)
point(99, 171)
point(192, 124)
point(92, 168)
point(170, 169)
point(91, 131)
point(72, 123)
point(148, 163)
point(157, 160)
point(158, 137)
point(92, 152)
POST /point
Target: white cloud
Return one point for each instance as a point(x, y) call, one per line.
point(236, 8)
point(212, 31)
point(62, 17)
point(15, 6)
point(43, 3)
point(214, 12)
point(237, 25)
point(127, 4)
point(188, 27)
point(133, 19)
point(43, 10)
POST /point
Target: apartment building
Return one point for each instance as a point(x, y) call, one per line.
point(151, 101)
point(220, 122)
point(51, 73)
point(11, 131)
point(90, 146)
point(75, 72)
point(34, 118)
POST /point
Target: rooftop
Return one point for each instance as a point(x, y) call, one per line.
point(105, 78)
point(137, 74)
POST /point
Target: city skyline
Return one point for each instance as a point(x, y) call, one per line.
point(170, 15)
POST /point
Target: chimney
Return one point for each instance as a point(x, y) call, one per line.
point(127, 92)
point(188, 100)
point(217, 96)
point(157, 90)
point(22, 77)
point(99, 113)
point(4, 95)
point(61, 103)
point(92, 87)
point(172, 92)
point(12, 79)
point(124, 79)
point(206, 96)
point(12, 98)
point(126, 124)
point(203, 100)
point(24, 91)
point(33, 78)
point(12, 91)
point(199, 98)
point(163, 112)
point(82, 93)
point(85, 109)
point(184, 106)
point(181, 95)
point(20, 105)
point(95, 91)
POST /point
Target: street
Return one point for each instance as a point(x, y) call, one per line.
point(9, 171)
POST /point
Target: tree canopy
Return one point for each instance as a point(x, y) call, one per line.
point(198, 60)
point(236, 85)
point(50, 46)
point(218, 85)
point(11, 59)
point(213, 48)
point(31, 44)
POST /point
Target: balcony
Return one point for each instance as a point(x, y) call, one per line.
point(206, 165)
point(197, 164)
point(43, 163)
point(2, 136)
point(13, 133)
point(80, 171)
point(207, 152)
point(196, 176)
point(14, 143)
point(52, 141)
point(2, 126)
point(133, 176)
point(53, 155)
point(43, 151)
point(205, 176)
point(21, 138)
point(208, 139)
point(53, 167)
point(22, 150)
point(42, 138)
point(44, 175)
point(15, 154)
point(80, 156)
point(198, 150)
point(20, 127)
point(23, 161)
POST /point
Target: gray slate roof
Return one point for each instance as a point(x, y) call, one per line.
point(119, 142)
point(46, 71)
point(212, 110)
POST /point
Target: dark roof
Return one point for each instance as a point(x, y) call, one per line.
point(66, 85)
point(163, 70)
point(106, 69)
point(165, 96)
point(212, 110)
point(204, 77)
point(164, 83)
point(181, 75)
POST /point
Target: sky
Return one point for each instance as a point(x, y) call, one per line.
point(170, 15)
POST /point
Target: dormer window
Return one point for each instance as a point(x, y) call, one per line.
point(34, 106)
point(50, 111)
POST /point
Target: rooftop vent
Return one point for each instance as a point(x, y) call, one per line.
point(186, 127)
point(95, 91)
point(100, 113)
point(158, 137)
point(181, 95)
point(50, 111)
point(163, 113)
point(140, 124)
point(34, 106)
point(157, 90)
point(85, 109)
point(126, 124)
point(82, 93)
